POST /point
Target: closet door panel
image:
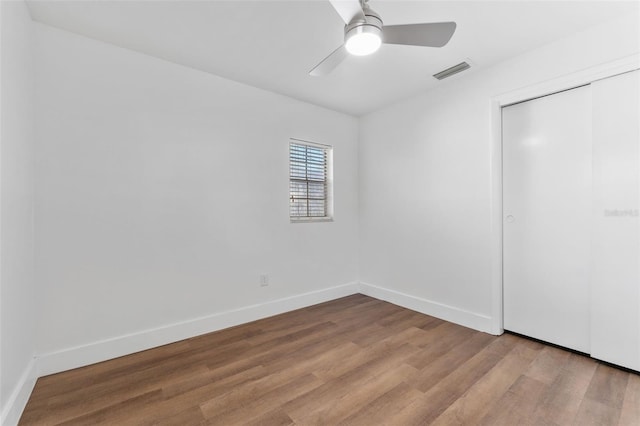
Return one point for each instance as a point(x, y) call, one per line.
point(615, 286)
point(547, 188)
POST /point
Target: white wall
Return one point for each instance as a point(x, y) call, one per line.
point(17, 307)
point(162, 194)
point(425, 177)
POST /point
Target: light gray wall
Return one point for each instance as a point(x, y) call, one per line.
point(162, 194)
point(425, 174)
point(17, 290)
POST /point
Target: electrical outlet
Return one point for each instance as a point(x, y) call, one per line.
point(264, 280)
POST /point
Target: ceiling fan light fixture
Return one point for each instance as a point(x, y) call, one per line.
point(363, 34)
point(363, 40)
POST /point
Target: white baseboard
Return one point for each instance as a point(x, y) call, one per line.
point(20, 395)
point(448, 313)
point(66, 359)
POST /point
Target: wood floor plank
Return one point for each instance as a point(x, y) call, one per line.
point(630, 415)
point(106, 395)
point(595, 413)
point(608, 386)
point(377, 411)
point(441, 367)
point(275, 417)
point(190, 416)
point(302, 348)
point(404, 319)
point(320, 357)
point(337, 387)
point(274, 379)
point(248, 403)
point(487, 391)
point(120, 411)
point(365, 317)
point(517, 405)
point(351, 361)
point(86, 376)
point(561, 402)
point(385, 349)
point(171, 405)
point(444, 338)
point(603, 401)
point(446, 390)
point(357, 397)
point(548, 365)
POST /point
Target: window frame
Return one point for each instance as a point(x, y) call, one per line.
point(328, 180)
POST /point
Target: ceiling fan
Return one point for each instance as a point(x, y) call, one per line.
point(364, 33)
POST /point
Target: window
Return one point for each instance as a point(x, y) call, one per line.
point(309, 181)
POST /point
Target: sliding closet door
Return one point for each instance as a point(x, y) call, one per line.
point(615, 317)
point(547, 205)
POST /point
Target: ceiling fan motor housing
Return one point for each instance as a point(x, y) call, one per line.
point(371, 24)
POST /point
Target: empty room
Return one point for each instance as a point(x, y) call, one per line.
point(319, 212)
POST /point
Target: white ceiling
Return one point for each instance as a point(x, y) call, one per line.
point(273, 44)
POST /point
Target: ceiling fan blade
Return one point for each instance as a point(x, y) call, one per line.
point(348, 9)
point(330, 62)
point(436, 34)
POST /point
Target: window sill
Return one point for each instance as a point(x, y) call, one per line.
point(310, 219)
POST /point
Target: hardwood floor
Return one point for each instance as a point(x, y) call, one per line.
point(352, 361)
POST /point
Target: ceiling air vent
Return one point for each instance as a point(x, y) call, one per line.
point(453, 70)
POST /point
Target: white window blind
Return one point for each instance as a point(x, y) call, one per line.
point(308, 181)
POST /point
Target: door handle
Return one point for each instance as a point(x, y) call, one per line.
point(510, 219)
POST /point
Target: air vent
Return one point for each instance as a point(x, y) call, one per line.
point(453, 70)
